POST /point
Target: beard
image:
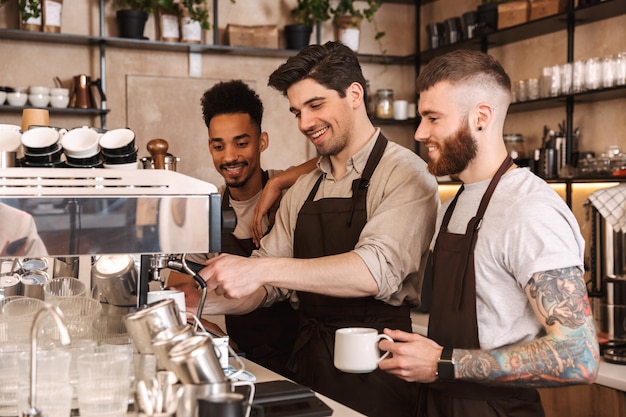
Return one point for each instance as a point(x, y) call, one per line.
point(456, 151)
point(236, 183)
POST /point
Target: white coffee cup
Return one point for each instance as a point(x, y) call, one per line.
point(356, 349)
point(177, 296)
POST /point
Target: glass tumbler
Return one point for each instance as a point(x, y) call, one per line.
point(593, 74)
point(104, 383)
point(566, 72)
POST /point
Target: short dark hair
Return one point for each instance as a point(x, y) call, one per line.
point(462, 65)
point(333, 65)
point(230, 97)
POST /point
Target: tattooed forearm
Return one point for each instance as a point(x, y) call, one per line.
point(568, 354)
point(544, 362)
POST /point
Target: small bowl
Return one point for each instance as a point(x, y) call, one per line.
point(39, 100)
point(48, 158)
point(80, 143)
point(15, 128)
point(17, 98)
point(10, 140)
point(59, 97)
point(118, 142)
point(38, 89)
point(41, 140)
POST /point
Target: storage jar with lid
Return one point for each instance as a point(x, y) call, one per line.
point(384, 104)
point(514, 143)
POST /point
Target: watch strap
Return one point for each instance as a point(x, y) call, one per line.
point(445, 365)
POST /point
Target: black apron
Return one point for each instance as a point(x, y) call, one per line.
point(332, 226)
point(453, 323)
point(265, 335)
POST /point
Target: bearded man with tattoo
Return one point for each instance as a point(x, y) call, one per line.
point(510, 310)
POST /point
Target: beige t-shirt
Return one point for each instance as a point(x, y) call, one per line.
point(402, 203)
point(244, 210)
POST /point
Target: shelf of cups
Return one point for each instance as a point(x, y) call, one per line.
point(591, 96)
point(57, 110)
point(533, 28)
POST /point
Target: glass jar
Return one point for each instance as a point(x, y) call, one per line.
point(384, 104)
point(514, 143)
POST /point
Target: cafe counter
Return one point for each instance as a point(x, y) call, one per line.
point(264, 375)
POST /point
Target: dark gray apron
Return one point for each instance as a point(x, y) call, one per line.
point(453, 323)
point(332, 226)
point(266, 335)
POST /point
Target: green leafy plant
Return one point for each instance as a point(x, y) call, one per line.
point(196, 8)
point(29, 9)
point(311, 12)
point(147, 6)
point(347, 7)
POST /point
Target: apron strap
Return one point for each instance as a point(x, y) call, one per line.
point(475, 222)
point(361, 184)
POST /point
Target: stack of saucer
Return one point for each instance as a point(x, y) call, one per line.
point(42, 148)
point(119, 150)
point(81, 148)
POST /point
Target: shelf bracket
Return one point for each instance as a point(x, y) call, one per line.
point(195, 64)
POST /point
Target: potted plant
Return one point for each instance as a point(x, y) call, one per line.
point(347, 19)
point(306, 14)
point(132, 16)
point(30, 12)
point(194, 17)
point(168, 20)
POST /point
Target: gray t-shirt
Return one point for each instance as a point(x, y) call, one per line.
point(527, 228)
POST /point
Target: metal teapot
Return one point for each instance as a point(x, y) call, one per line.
point(81, 95)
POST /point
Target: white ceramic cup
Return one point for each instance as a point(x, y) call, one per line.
point(356, 349)
point(177, 296)
point(400, 109)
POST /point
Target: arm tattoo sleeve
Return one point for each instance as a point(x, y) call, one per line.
point(568, 354)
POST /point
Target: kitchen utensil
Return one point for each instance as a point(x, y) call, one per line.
point(116, 278)
point(165, 340)
point(195, 361)
point(81, 95)
point(149, 320)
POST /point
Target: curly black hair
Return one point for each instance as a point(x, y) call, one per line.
point(229, 97)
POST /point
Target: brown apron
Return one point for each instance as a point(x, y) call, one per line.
point(332, 226)
point(266, 335)
point(453, 323)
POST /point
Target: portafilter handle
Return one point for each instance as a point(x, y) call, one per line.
point(158, 149)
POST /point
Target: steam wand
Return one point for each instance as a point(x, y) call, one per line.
point(191, 268)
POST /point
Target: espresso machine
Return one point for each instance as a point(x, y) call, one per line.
point(151, 214)
point(607, 210)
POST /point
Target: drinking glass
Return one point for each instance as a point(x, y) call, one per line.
point(53, 389)
point(104, 383)
point(58, 289)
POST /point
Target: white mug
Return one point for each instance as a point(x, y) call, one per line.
point(177, 296)
point(356, 349)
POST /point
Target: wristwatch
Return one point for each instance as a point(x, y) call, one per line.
point(445, 365)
